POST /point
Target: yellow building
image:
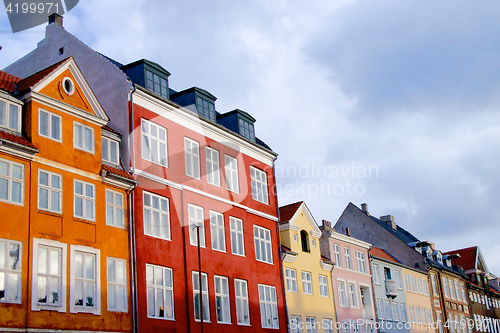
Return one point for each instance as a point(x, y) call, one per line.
point(418, 301)
point(307, 275)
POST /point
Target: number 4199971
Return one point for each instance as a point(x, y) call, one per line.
point(25, 8)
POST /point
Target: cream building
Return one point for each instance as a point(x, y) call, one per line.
point(307, 275)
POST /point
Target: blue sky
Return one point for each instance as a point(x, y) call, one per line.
point(408, 89)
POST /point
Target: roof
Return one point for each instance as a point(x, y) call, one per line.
point(109, 129)
point(30, 81)
point(467, 257)
point(144, 61)
point(285, 249)
point(287, 212)
point(18, 139)
point(117, 171)
point(382, 254)
point(8, 82)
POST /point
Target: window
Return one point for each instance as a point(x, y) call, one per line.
point(259, 185)
point(212, 161)
point(196, 219)
point(336, 253)
point(160, 292)
point(376, 274)
point(353, 297)
point(328, 325)
point(291, 279)
point(429, 316)
point(342, 294)
point(49, 125)
point(347, 254)
point(399, 280)
point(295, 239)
point(85, 289)
point(417, 313)
point(204, 299)
point(304, 240)
point(231, 173)
point(49, 284)
point(360, 262)
point(154, 143)
point(117, 285)
point(457, 289)
point(84, 200)
point(268, 306)
point(395, 311)
point(114, 209)
point(294, 324)
point(452, 289)
point(192, 156)
point(407, 280)
point(323, 286)
point(10, 116)
point(463, 293)
point(49, 191)
point(387, 310)
point(109, 150)
point(414, 284)
point(412, 314)
point(156, 84)
point(419, 283)
point(313, 241)
point(11, 182)
point(311, 325)
point(205, 109)
point(10, 271)
point(247, 130)
point(306, 283)
point(217, 231)
point(83, 137)
point(241, 296)
point(222, 308)
point(263, 248)
point(434, 286)
point(426, 287)
point(156, 216)
point(237, 239)
point(424, 316)
point(380, 309)
point(402, 312)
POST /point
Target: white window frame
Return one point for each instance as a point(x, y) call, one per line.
point(259, 241)
point(408, 283)
point(388, 310)
point(306, 283)
point(11, 179)
point(418, 316)
point(222, 301)
point(353, 294)
point(360, 261)
point(85, 200)
point(291, 280)
point(96, 309)
point(294, 324)
point(419, 284)
point(149, 227)
point(452, 288)
point(336, 253)
point(49, 125)
point(154, 288)
point(268, 306)
point(50, 189)
point(115, 208)
point(8, 108)
point(434, 285)
point(10, 273)
point(259, 185)
point(204, 295)
point(395, 311)
point(196, 220)
point(328, 325)
point(426, 286)
point(412, 314)
point(342, 291)
point(464, 299)
point(231, 168)
point(213, 166)
point(311, 325)
point(323, 286)
point(242, 302)
point(414, 284)
point(402, 312)
point(457, 290)
point(380, 308)
point(429, 317)
point(192, 158)
point(63, 248)
point(347, 255)
point(217, 231)
point(115, 284)
point(424, 316)
point(109, 159)
point(159, 143)
point(237, 236)
point(376, 273)
point(399, 280)
point(76, 138)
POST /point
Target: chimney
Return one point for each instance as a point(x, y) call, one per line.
point(347, 232)
point(389, 219)
point(56, 18)
point(364, 208)
point(327, 225)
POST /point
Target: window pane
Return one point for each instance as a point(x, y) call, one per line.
point(54, 262)
point(17, 172)
point(113, 152)
point(55, 200)
point(43, 198)
point(16, 192)
point(14, 257)
point(55, 128)
point(54, 291)
point(89, 139)
point(120, 272)
point(89, 267)
point(89, 294)
point(104, 149)
point(44, 124)
point(111, 297)
point(3, 114)
point(14, 117)
point(78, 136)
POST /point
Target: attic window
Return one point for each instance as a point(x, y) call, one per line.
point(304, 238)
point(156, 84)
point(10, 116)
point(61, 50)
point(68, 86)
point(205, 109)
point(247, 130)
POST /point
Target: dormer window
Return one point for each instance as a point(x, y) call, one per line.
point(156, 84)
point(109, 150)
point(205, 109)
point(247, 129)
point(439, 258)
point(10, 116)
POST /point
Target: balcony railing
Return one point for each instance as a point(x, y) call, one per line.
point(390, 288)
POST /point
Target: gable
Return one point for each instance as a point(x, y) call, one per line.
point(304, 219)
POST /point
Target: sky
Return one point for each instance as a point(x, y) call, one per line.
point(390, 103)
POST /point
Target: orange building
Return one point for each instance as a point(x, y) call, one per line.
point(65, 259)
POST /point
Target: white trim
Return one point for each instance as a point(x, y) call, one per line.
point(337, 236)
point(352, 271)
point(84, 127)
point(17, 152)
point(289, 257)
point(177, 186)
point(288, 226)
point(49, 124)
point(326, 266)
point(66, 168)
point(187, 119)
point(72, 307)
point(71, 91)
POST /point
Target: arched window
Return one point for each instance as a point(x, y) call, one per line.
point(304, 238)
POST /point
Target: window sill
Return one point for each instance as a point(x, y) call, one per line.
point(46, 212)
point(79, 219)
point(159, 318)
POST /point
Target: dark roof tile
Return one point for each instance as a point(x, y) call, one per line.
point(287, 212)
point(16, 139)
point(8, 82)
point(117, 171)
